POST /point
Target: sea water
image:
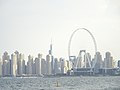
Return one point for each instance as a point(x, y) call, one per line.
point(61, 83)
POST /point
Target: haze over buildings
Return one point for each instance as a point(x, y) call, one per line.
point(15, 65)
point(29, 25)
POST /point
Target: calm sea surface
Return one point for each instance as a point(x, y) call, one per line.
point(61, 83)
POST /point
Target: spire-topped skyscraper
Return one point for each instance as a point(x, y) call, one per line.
point(50, 61)
point(50, 51)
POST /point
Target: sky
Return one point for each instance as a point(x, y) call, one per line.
point(29, 26)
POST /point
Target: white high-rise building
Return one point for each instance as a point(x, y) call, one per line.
point(43, 67)
point(5, 56)
point(20, 63)
point(108, 60)
point(57, 66)
point(34, 67)
point(13, 65)
point(20, 58)
point(98, 62)
point(52, 59)
point(38, 65)
point(9, 68)
point(50, 62)
point(48, 65)
point(69, 64)
point(64, 67)
point(5, 68)
point(73, 60)
point(17, 56)
point(23, 67)
point(6, 64)
point(30, 65)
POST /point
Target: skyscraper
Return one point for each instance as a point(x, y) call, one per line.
point(38, 64)
point(73, 59)
point(20, 58)
point(43, 66)
point(57, 66)
point(69, 65)
point(98, 62)
point(52, 58)
point(20, 64)
point(50, 62)
point(17, 57)
point(108, 60)
point(23, 67)
point(48, 65)
point(64, 67)
point(30, 65)
point(5, 56)
point(5, 66)
point(13, 65)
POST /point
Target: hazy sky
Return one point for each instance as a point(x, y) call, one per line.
point(29, 25)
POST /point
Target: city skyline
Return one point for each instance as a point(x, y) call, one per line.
point(15, 65)
point(28, 26)
point(59, 44)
